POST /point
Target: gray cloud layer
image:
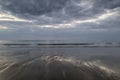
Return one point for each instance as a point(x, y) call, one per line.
point(97, 20)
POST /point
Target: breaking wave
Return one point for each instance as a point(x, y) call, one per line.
point(56, 68)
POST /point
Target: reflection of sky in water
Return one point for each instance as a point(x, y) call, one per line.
point(33, 62)
point(24, 63)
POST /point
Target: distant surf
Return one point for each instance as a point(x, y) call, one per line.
point(58, 44)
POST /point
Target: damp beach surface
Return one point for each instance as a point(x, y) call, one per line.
point(38, 60)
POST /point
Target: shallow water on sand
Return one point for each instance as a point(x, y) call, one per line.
point(49, 61)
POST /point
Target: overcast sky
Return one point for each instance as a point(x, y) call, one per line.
point(81, 20)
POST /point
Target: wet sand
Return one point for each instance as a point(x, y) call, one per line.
point(22, 62)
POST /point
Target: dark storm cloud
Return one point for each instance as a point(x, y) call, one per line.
point(109, 4)
point(60, 10)
point(33, 7)
point(60, 18)
point(72, 8)
point(90, 8)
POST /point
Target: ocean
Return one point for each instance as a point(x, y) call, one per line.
point(59, 60)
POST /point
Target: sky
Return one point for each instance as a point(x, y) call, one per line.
point(77, 20)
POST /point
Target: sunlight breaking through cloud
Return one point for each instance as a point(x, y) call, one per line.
point(3, 27)
point(9, 17)
point(74, 23)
